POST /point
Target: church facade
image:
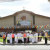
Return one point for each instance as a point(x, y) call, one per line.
point(23, 19)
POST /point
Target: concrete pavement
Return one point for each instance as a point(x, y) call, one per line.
point(24, 47)
point(41, 42)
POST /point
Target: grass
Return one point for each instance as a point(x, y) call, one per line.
point(1, 39)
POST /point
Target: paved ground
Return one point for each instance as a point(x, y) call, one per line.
point(41, 42)
point(25, 47)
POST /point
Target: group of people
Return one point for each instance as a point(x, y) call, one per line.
point(23, 37)
point(20, 37)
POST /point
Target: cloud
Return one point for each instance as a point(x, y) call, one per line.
point(8, 0)
point(38, 6)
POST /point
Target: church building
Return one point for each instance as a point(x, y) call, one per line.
point(23, 20)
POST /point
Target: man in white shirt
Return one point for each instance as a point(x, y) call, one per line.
point(19, 35)
point(8, 38)
point(33, 37)
point(28, 37)
point(22, 36)
point(36, 37)
point(16, 39)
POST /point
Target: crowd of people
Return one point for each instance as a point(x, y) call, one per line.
point(22, 37)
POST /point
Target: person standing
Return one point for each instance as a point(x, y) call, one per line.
point(36, 37)
point(49, 35)
point(33, 37)
point(13, 38)
point(16, 39)
point(4, 38)
point(39, 36)
point(24, 36)
point(19, 36)
point(8, 38)
point(28, 37)
point(42, 34)
point(45, 37)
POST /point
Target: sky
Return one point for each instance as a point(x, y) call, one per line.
point(41, 7)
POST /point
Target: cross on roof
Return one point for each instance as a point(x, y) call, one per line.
point(23, 8)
